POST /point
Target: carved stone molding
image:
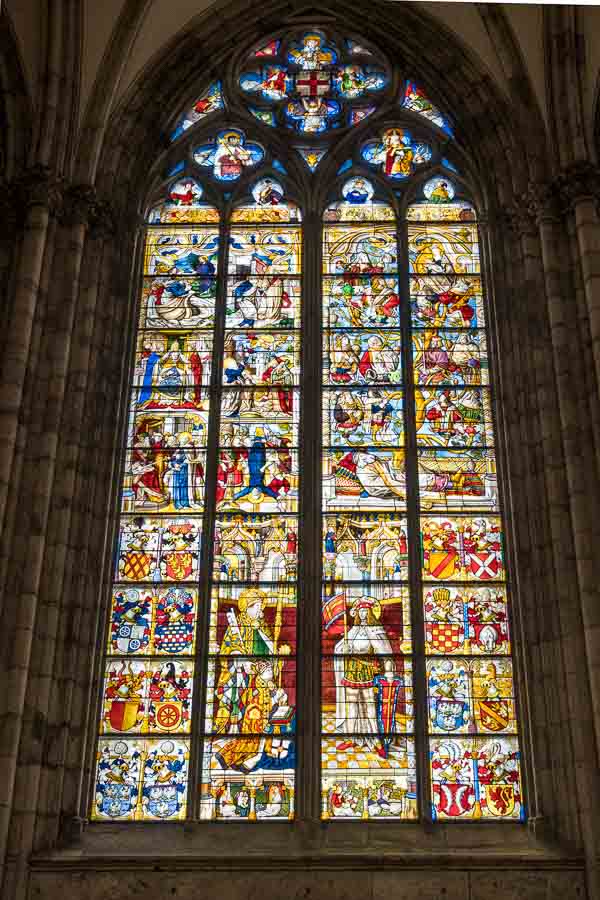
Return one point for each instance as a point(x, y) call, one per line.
point(581, 181)
point(553, 200)
point(38, 186)
point(518, 219)
point(81, 205)
point(70, 203)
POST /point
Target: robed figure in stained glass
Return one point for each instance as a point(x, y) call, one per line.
point(355, 670)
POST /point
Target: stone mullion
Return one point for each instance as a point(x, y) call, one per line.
point(198, 736)
point(39, 471)
point(91, 550)
point(308, 673)
point(415, 580)
point(64, 524)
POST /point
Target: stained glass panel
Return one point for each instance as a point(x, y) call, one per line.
point(476, 778)
point(469, 673)
point(263, 301)
point(141, 780)
point(416, 99)
point(409, 493)
point(387, 790)
point(368, 250)
point(395, 153)
point(228, 154)
point(255, 548)
point(312, 156)
point(210, 101)
point(178, 302)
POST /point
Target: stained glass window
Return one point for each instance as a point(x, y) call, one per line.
point(401, 529)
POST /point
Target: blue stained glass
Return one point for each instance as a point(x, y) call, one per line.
point(345, 166)
point(449, 165)
point(176, 169)
point(280, 168)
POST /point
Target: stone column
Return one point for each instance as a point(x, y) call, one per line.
point(576, 544)
point(38, 192)
point(36, 622)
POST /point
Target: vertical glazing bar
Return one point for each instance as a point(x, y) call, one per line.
point(414, 561)
point(206, 558)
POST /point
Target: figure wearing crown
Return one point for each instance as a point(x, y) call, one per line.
point(231, 156)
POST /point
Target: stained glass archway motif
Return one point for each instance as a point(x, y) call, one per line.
point(201, 714)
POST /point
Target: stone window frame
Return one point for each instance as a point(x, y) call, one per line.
point(313, 192)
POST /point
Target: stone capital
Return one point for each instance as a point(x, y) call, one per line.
point(544, 201)
point(578, 182)
point(81, 205)
point(38, 186)
point(519, 219)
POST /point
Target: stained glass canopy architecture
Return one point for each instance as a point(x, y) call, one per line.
point(310, 438)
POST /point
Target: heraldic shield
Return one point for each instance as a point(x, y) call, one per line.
point(116, 801)
point(494, 714)
point(131, 638)
point(179, 565)
point(445, 637)
point(123, 714)
point(450, 714)
point(500, 799)
point(168, 715)
point(454, 799)
point(137, 566)
point(443, 563)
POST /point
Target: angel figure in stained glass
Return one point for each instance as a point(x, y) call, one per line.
point(312, 113)
point(263, 253)
point(311, 54)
